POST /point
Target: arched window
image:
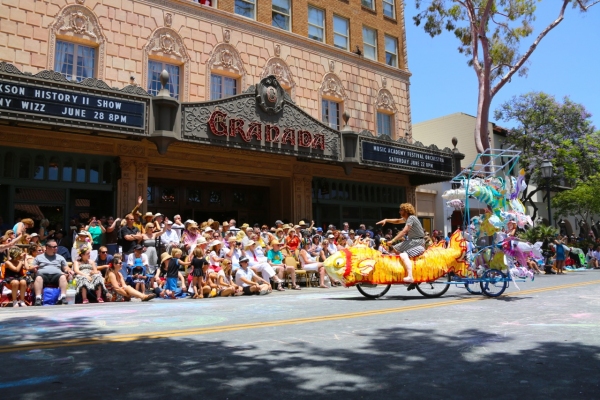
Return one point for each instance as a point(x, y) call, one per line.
point(165, 51)
point(67, 171)
point(94, 172)
point(77, 44)
point(386, 113)
point(80, 174)
point(332, 95)
point(226, 75)
point(278, 67)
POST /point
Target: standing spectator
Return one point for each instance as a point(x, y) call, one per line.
point(83, 239)
point(44, 233)
point(129, 235)
point(20, 228)
point(61, 240)
point(51, 269)
point(111, 235)
point(96, 230)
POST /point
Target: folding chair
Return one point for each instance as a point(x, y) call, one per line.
point(291, 261)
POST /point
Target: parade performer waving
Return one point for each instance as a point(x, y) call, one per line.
point(412, 236)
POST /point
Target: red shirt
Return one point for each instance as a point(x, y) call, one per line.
point(293, 243)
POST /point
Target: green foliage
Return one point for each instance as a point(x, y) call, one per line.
point(582, 201)
point(548, 129)
point(538, 233)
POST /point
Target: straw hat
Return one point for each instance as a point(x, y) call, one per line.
point(297, 226)
point(164, 256)
point(302, 223)
point(250, 243)
point(215, 225)
point(285, 226)
point(232, 239)
point(214, 243)
point(224, 224)
point(208, 229)
point(201, 240)
point(275, 242)
point(244, 226)
point(148, 214)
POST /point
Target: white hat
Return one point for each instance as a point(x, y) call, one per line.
point(201, 240)
point(214, 243)
point(330, 237)
point(208, 229)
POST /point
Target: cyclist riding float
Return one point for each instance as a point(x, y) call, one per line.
point(432, 271)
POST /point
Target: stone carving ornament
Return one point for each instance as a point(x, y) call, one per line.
point(279, 68)
point(167, 44)
point(270, 95)
point(78, 23)
point(225, 57)
point(385, 101)
point(332, 86)
point(168, 19)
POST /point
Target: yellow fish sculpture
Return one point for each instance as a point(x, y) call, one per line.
point(361, 264)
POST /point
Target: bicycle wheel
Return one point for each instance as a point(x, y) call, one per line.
point(472, 286)
point(372, 291)
point(435, 288)
point(493, 283)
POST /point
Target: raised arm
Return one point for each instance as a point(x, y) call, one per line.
point(391, 221)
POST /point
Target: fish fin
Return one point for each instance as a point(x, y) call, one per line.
point(366, 266)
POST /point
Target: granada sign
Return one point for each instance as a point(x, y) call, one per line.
point(221, 125)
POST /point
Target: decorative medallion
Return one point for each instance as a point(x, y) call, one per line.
point(331, 66)
point(78, 23)
point(167, 44)
point(269, 95)
point(383, 82)
point(277, 50)
point(227, 35)
point(385, 101)
point(332, 86)
point(168, 19)
point(277, 67)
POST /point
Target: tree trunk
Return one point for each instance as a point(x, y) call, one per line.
point(484, 101)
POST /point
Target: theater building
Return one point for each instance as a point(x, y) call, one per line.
point(267, 110)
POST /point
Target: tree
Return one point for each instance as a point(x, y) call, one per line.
point(490, 33)
point(547, 129)
point(582, 201)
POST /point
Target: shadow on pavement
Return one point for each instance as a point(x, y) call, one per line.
point(375, 364)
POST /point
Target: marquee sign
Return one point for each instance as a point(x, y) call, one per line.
point(23, 97)
point(262, 119)
point(409, 157)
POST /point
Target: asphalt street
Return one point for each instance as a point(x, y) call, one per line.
point(541, 341)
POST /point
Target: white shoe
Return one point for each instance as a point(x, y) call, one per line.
point(22, 304)
point(263, 292)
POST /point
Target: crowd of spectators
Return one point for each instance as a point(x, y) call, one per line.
point(147, 255)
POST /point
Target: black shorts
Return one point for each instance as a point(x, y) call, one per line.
point(50, 279)
point(247, 291)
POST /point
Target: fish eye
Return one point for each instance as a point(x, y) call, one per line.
point(339, 262)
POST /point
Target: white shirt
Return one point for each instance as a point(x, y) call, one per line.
point(248, 274)
point(170, 236)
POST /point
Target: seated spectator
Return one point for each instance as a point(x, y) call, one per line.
point(227, 286)
point(275, 258)
point(51, 269)
point(308, 263)
point(84, 239)
point(32, 252)
point(62, 240)
point(177, 225)
point(170, 237)
point(249, 281)
point(292, 240)
point(34, 238)
point(149, 241)
point(189, 237)
point(170, 263)
point(158, 222)
point(258, 262)
point(103, 260)
point(234, 253)
point(116, 286)
point(330, 246)
point(87, 276)
point(316, 249)
point(14, 272)
point(137, 259)
point(341, 242)
point(214, 257)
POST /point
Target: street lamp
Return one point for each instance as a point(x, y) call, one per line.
point(546, 169)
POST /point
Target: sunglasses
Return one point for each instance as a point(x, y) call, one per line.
point(103, 252)
point(51, 247)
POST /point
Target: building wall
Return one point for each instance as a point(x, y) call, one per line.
point(126, 34)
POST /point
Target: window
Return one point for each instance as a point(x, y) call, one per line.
point(340, 32)
point(75, 61)
point(281, 14)
point(316, 24)
point(222, 86)
point(368, 4)
point(38, 167)
point(245, 8)
point(391, 51)
point(67, 169)
point(154, 70)
point(80, 172)
point(370, 43)
point(384, 124)
point(389, 9)
point(330, 113)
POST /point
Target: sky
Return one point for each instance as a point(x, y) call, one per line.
point(565, 63)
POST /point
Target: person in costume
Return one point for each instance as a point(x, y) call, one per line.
point(412, 236)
